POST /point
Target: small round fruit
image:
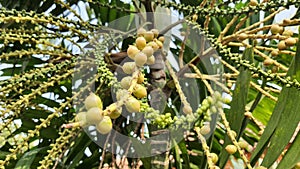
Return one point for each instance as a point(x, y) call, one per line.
point(129, 67)
point(149, 35)
point(94, 115)
point(243, 144)
point(105, 125)
point(140, 59)
point(141, 31)
point(155, 32)
point(281, 45)
point(205, 129)
point(276, 29)
point(290, 41)
point(297, 166)
point(141, 78)
point(121, 94)
point(81, 118)
point(139, 91)
point(268, 62)
point(93, 101)
point(148, 50)
point(243, 36)
point(140, 42)
point(159, 43)
point(187, 109)
point(132, 105)
point(162, 39)
point(153, 45)
point(150, 60)
point(132, 51)
point(253, 3)
point(115, 114)
point(288, 33)
point(231, 149)
point(126, 82)
point(214, 157)
point(275, 52)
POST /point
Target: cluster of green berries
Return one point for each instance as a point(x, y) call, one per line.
point(95, 114)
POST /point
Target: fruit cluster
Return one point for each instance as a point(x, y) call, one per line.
point(283, 44)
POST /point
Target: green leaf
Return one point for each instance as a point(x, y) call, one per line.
point(239, 101)
point(27, 159)
point(177, 155)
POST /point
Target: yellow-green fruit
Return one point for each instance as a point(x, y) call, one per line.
point(155, 32)
point(231, 149)
point(243, 36)
point(149, 35)
point(140, 43)
point(253, 3)
point(116, 113)
point(187, 109)
point(268, 62)
point(288, 33)
point(214, 157)
point(105, 125)
point(93, 101)
point(153, 45)
point(290, 41)
point(141, 78)
point(243, 144)
point(276, 29)
point(159, 43)
point(162, 39)
point(132, 51)
point(132, 105)
point(205, 129)
point(141, 31)
point(297, 166)
point(129, 67)
point(140, 91)
point(150, 60)
point(81, 118)
point(122, 94)
point(140, 59)
point(94, 115)
point(148, 50)
point(126, 82)
point(281, 45)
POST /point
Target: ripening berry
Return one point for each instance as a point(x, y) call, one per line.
point(253, 3)
point(105, 125)
point(149, 36)
point(214, 157)
point(126, 82)
point(132, 51)
point(153, 45)
point(93, 101)
point(276, 29)
point(231, 149)
point(140, 59)
point(148, 50)
point(116, 113)
point(290, 41)
point(205, 129)
point(288, 33)
point(243, 144)
point(129, 67)
point(141, 31)
point(155, 32)
point(275, 52)
point(141, 78)
point(140, 42)
point(187, 109)
point(94, 115)
point(140, 91)
point(132, 105)
point(81, 118)
point(281, 45)
point(268, 62)
point(162, 39)
point(150, 60)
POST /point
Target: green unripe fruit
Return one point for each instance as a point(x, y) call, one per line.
point(132, 105)
point(281, 45)
point(115, 114)
point(140, 91)
point(94, 115)
point(105, 125)
point(140, 43)
point(140, 59)
point(150, 60)
point(126, 82)
point(148, 36)
point(132, 51)
point(243, 144)
point(290, 41)
point(93, 101)
point(153, 45)
point(141, 78)
point(129, 67)
point(155, 32)
point(214, 157)
point(276, 29)
point(141, 31)
point(122, 94)
point(81, 118)
point(231, 149)
point(148, 50)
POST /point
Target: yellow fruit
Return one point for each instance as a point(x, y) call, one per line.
point(132, 105)
point(105, 125)
point(150, 60)
point(149, 35)
point(268, 62)
point(187, 109)
point(140, 42)
point(132, 51)
point(126, 82)
point(231, 149)
point(94, 115)
point(159, 43)
point(214, 157)
point(275, 52)
point(140, 59)
point(93, 101)
point(276, 29)
point(243, 144)
point(155, 32)
point(205, 129)
point(253, 3)
point(81, 118)
point(297, 166)
point(122, 94)
point(139, 91)
point(243, 36)
point(129, 67)
point(153, 45)
point(115, 114)
point(288, 33)
point(281, 45)
point(162, 39)
point(141, 78)
point(290, 41)
point(148, 50)
point(141, 31)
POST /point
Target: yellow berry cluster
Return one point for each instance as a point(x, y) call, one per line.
point(283, 44)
